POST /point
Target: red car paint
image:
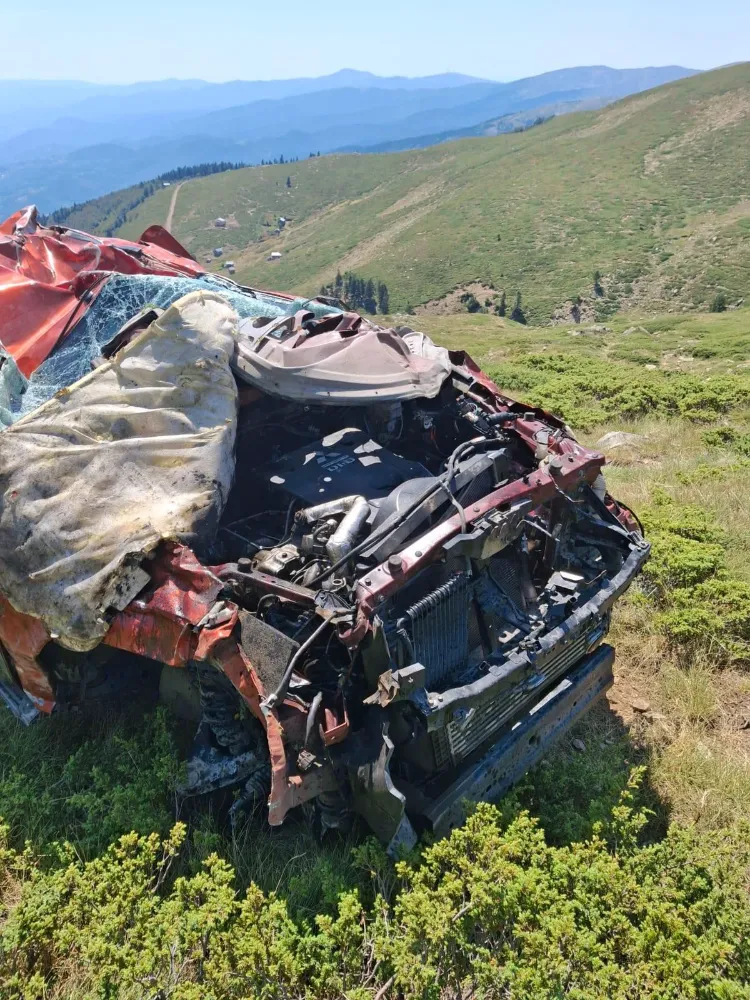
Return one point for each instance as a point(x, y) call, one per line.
point(48, 279)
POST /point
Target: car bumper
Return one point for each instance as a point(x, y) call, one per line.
point(529, 739)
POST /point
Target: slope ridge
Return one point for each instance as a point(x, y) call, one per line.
point(535, 212)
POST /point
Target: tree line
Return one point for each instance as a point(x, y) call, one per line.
point(499, 307)
point(359, 293)
point(147, 188)
point(279, 159)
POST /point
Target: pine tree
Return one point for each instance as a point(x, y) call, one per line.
point(289, 182)
point(369, 303)
point(502, 308)
point(383, 304)
point(517, 314)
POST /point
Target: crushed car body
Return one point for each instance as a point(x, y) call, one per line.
point(386, 583)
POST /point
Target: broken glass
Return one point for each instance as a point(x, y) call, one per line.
point(121, 298)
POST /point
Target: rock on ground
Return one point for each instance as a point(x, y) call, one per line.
point(617, 439)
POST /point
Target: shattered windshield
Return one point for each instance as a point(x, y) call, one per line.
point(121, 298)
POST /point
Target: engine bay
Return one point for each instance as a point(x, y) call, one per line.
point(326, 497)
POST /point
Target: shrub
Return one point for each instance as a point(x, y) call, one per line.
point(718, 303)
point(715, 613)
point(594, 392)
point(699, 604)
point(728, 437)
point(87, 780)
point(471, 302)
point(492, 911)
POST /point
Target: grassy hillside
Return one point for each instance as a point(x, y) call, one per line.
point(651, 192)
point(617, 869)
point(102, 214)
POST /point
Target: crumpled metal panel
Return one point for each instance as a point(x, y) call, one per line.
point(45, 275)
point(24, 637)
point(160, 622)
point(339, 359)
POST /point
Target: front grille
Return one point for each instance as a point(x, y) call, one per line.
point(437, 627)
point(474, 726)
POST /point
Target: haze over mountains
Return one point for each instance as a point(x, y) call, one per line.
point(650, 193)
point(67, 141)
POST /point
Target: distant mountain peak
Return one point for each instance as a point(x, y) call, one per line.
point(69, 142)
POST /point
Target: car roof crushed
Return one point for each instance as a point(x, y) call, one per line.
point(103, 459)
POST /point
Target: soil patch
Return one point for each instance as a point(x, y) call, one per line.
point(451, 303)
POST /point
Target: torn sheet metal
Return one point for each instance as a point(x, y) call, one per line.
point(139, 450)
point(339, 360)
point(161, 621)
point(48, 275)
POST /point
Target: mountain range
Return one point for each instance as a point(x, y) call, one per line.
point(63, 142)
point(649, 194)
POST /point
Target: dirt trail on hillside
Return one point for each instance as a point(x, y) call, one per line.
point(172, 203)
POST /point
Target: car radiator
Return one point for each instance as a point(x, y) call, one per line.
point(435, 629)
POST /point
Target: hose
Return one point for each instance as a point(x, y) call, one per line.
point(278, 695)
point(310, 724)
point(386, 529)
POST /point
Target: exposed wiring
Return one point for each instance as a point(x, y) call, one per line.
point(252, 517)
point(288, 522)
point(461, 512)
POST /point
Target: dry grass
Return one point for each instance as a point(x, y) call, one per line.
point(694, 730)
point(690, 695)
point(673, 456)
point(706, 777)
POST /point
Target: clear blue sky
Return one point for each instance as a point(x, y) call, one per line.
point(244, 39)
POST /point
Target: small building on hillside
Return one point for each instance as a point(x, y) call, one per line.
point(276, 255)
point(220, 223)
point(218, 251)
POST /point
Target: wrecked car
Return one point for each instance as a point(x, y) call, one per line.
point(382, 584)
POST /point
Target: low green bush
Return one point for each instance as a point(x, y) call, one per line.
point(492, 911)
point(706, 473)
point(730, 438)
point(586, 392)
point(698, 602)
point(569, 793)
